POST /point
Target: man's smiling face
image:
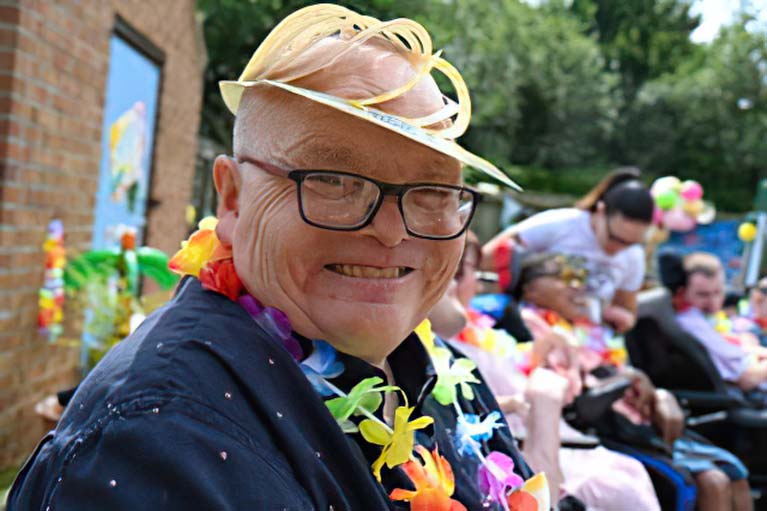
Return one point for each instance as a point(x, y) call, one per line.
point(363, 291)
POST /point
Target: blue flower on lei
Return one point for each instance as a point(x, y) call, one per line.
point(471, 430)
point(321, 365)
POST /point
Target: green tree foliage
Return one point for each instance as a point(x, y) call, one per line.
point(708, 120)
point(570, 88)
point(641, 39)
point(540, 93)
point(233, 30)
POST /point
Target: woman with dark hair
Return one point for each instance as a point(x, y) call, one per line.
point(607, 229)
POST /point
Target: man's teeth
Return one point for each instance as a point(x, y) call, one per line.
point(368, 272)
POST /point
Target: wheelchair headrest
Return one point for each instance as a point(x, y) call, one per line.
point(670, 355)
point(656, 304)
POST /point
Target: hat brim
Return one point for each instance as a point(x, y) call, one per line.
point(231, 91)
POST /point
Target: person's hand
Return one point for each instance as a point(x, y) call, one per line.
point(750, 342)
point(564, 361)
point(620, 319)
point(641, 393)
point(668, 416)
point(514, 404)
point(544, 385)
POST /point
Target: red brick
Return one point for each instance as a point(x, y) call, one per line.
point(50, 151)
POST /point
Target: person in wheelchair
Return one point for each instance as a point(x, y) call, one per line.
point(755, 313)
point(646, 416)
point(606, 228)
point(532, 383)
point(697, 285)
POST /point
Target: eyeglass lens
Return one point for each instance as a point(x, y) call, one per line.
point(347, 202)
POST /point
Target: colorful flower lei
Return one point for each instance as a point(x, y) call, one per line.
point(598, 339)
point(203, 256)
point(51, 295)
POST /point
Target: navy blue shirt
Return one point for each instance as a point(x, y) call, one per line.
point(201, 409)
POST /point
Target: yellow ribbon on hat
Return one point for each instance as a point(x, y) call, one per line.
point(278, 62)
point(301, 30)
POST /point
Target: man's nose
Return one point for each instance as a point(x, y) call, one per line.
point(388, 226)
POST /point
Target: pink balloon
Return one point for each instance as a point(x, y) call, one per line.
point(678, 221)
point(657, 216)
point(691, 191)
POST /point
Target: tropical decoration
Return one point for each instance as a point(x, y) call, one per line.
point(472, 430)
point(479, 331)
point(679, 205)
point(107, 285)
point(434, 483)
point(593, 341)
point(130, 262)
point(397, 444)
point(206, 258)
point(51, 295)
point(451, 375)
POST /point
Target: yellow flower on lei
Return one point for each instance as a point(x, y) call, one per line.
point(397, 444)
point(425, 335)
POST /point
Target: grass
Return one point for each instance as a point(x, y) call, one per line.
point(6, 479)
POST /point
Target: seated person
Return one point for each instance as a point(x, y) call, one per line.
point(262, 384)
point(532, 399)
point(756, 310)
point(757, 303)
point(720, 477)
point(607, 229)
point(697, 287)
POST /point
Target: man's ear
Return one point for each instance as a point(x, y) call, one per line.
point(226, 176)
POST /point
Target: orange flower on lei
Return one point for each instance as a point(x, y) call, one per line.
point(203, 256)
point(434, 484)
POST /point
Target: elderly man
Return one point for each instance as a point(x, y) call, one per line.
point(285, 374)
point(698, 295)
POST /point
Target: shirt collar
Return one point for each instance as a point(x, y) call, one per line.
point(410, 364)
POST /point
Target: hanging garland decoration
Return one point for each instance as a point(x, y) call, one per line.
point(204, 257)
point(51, 295)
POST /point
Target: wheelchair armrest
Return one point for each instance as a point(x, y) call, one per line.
point(593, 404)
point(701, 400)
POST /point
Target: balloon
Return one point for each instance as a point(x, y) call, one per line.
point(708, 214)
point(679, 221)
point(667, 200)
point(657, 216)
point(665, 184)
point(747, 232)
point(691, 191)
point(693, 207)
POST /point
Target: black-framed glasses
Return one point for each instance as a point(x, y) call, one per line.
point(344, 201)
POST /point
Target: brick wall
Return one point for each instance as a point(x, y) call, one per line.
point(54, 58)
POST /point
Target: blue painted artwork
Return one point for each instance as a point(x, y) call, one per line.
point(126, 144)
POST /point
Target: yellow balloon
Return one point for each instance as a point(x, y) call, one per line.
point(693, 207)
point(747, 232)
